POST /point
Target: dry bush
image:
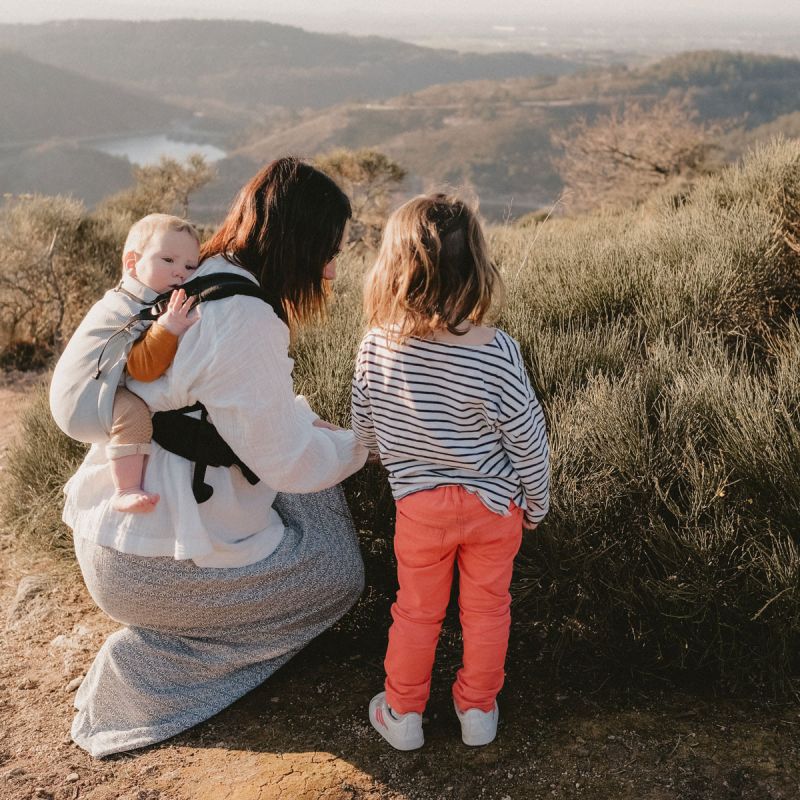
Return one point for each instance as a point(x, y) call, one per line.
point(621, 158)
point(369, 178)
point(664, 345)
point(48, 266)
point(160, 188)
point(39, 464)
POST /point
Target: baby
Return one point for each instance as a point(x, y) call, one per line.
point(87, 397)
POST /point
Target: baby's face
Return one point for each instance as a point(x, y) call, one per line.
point(167, 260)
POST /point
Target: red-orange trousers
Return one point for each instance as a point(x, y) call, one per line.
point(434, 528)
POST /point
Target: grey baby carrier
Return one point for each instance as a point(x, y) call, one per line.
point(90, 369)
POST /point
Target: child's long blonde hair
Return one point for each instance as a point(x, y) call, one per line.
point(433, 270)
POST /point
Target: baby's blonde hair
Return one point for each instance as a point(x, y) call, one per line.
point(142, 231)
point(433, 270)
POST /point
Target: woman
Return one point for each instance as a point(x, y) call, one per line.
point(216, 596)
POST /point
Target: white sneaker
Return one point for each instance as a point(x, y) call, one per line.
point(402, 731)
point(478, 727)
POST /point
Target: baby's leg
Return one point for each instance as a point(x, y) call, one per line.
point(127, 450)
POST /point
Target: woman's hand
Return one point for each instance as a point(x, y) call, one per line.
point(179, 317)
point(329, 426)
point(372, 458)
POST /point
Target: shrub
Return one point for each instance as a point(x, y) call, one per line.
point(44, 270)
point(39, 464)
point(621, 158)
point(670, 544)
point(664, 347)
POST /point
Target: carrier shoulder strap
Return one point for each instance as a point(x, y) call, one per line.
point(216, 286)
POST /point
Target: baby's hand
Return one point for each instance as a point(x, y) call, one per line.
point(180, 314)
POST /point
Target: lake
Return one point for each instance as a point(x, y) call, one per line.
point(143, 150)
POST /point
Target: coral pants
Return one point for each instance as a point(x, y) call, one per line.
point(434, 528)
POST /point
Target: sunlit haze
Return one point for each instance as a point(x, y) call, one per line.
point(347, 15)
point(633, 26)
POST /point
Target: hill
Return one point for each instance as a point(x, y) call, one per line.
point(63, 168)
point(40, 102)
point(256, 65)
point(490, 136)
point(494, 136)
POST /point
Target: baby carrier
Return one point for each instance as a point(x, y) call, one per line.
point(89, 371)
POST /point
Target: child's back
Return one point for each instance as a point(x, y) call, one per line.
point(441, 413)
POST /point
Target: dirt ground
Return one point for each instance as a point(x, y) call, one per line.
point(304, 734)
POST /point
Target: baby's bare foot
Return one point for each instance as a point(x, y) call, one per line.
point(133, 501)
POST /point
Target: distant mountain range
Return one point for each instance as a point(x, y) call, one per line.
point(262, 90)
point(494, 136)
point(247, 67)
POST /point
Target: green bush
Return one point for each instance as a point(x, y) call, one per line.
point(664, 347)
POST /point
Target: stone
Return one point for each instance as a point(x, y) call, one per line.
point(29, 587)
point(76, 640)
point(72, 777)
point(74, 684)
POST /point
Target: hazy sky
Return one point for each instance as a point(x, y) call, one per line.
point(345, 15)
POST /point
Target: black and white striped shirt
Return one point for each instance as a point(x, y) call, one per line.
point(442, 414)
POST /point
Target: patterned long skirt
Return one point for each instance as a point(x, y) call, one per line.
point(197, 639)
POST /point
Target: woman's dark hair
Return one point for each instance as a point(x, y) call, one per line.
point(284, 226)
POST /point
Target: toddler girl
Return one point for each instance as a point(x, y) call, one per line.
point(446, 403)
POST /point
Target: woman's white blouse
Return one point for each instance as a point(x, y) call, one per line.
point(235, 361)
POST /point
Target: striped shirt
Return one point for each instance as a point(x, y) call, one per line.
point(449, 414)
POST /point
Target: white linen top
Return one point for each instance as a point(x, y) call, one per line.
point(235, 361)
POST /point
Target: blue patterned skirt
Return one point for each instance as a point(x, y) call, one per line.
point(197, 639)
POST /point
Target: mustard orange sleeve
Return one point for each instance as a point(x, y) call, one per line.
point(152, 354)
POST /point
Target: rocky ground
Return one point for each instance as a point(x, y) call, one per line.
point(304, 734)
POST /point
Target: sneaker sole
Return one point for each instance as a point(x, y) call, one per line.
point(386, 734)
point(477, 741)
